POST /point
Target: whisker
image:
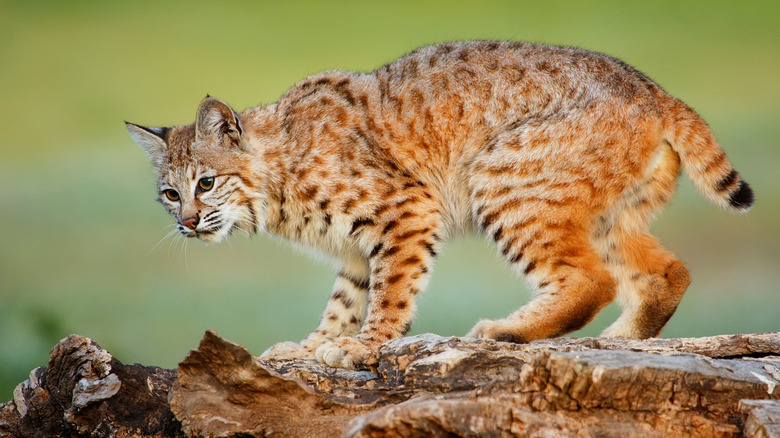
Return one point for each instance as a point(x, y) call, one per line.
point(184, 250)
point(170, 233)
point(247, 221)
point(173, 243)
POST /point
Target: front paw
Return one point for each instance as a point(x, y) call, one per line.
point(287, 351)
point(347, 353)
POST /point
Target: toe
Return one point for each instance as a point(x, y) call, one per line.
point(285, 351)
point(348, 353)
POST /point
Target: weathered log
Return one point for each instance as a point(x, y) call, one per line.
point(84, 391)
point(424, 385)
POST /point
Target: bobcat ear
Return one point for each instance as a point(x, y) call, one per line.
point(152, 140)
point(216, 118)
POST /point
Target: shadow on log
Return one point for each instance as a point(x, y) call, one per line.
point(425, 385)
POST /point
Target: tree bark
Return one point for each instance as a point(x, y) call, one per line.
point(424, 385)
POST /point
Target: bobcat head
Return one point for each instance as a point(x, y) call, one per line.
point(205, 178)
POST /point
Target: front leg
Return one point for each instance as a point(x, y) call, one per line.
point(400, 263)
point(343, 316)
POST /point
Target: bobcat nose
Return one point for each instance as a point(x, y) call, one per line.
point(190, 222)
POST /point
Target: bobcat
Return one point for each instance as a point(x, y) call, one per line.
point(560, 155)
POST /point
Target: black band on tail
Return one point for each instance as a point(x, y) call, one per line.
point(742, 198)
point(726, 182)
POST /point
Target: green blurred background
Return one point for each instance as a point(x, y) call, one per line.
point(77, 209)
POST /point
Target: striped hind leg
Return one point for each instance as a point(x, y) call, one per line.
point(651, 281)
point(555, 254)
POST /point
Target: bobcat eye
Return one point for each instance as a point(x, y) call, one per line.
point(206, 183)
point(171, 194)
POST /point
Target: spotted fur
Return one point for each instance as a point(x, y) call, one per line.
point(560, 155)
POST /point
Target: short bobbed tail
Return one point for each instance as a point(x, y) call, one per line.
point(703, 159)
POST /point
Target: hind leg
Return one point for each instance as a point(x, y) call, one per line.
point(651, 281)
point(536, 189)
point(555, 254)
point(651, 284)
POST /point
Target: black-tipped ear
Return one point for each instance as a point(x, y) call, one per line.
point(216, 118)
point(152, 140)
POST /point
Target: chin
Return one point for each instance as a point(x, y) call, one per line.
point(209, 237)
point(215, 236)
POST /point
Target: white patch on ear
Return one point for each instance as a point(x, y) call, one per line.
point(151, 140)
point(237, 122)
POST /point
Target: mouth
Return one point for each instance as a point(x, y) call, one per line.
point(209, 235)
point(216, 229)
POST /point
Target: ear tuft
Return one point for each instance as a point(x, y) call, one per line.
point(152, 140)
point(217, 119)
